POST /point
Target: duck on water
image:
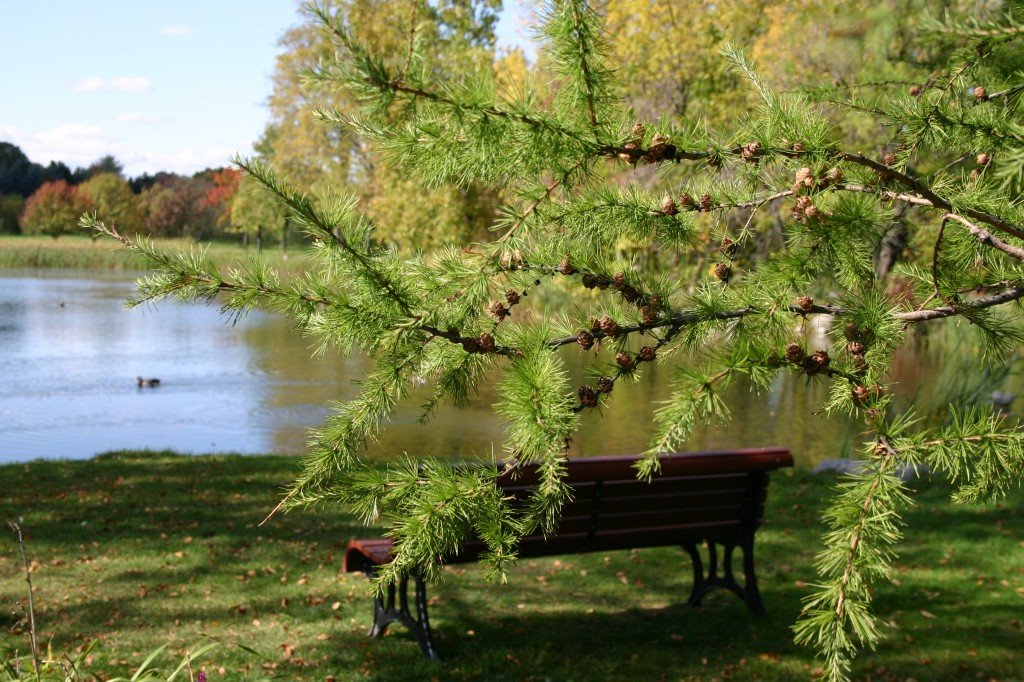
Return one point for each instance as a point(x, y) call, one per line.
point(147, 383)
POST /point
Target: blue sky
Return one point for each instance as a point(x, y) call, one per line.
point(176, 86)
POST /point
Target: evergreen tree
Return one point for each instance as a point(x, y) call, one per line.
point(452, 315)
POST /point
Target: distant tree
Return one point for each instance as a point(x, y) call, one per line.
point(53, 209)
point(56, 170)
point(11, 206)
point(113, 201)
point(173, 207)
point(256, 212)
point(18, 175)
point(219, 198)
point(106, 164)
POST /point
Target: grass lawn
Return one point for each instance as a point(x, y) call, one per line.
point(83, 252)
point(142, 549)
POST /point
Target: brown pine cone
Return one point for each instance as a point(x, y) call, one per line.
point(608, 326)
point(624, 360)
point(585, 339)
point(794, 353)
point(705, 203)
point(979, 93)
point(605, 384)
point(588, 396)
point(656, 150)
point(851, 331)
point(486, 342)
point(588, 280)
point(470, 345)
point(630, 294)
point(686, 201)
point(631, 152)
point(860, 395)
point(915, 90)
point(855, 348)
point(603, 282)
point(512, 297)
point(751, 151)
point(668, 206)
point(984, 159)
point(834, 174)
point(497, 310)
point(647, 354)
point(799, 147)
point(638, 131)
point(889, 159)
point(649, 313)
point(816, 362)
point(723, 272)
point(566, 267)
point(805, 303)
point(619, 280)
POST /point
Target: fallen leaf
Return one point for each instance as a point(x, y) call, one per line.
point(927, 614)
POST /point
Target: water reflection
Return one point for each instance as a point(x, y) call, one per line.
point(68, 390)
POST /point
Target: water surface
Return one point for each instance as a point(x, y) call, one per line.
point(70, 355)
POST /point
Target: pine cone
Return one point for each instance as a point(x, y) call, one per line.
point(470, 345)
point(686, 201)
point(834, 175)
point(806, 303)
point(855, 348)
point(979, 93)
point(585, 339)
point(619, 280)
point(723, 272)
point(608, 326)
point(497, 310)
point(588, 280)
point(631, 152)
point(649, 313)
point(486, 342)
point(603, 282)
point(512, 297)
point(566, 267)
point(728, 247)
point(851, 331)
point(804, 209)
point(984, 159)
point(794, 353)
point(915, 90)
point(624, 360)
point(804, 177)
point(889, 159)
point(668, 206)
point(798, 147)
point(638, 131)
point(605, 384)
point(705, 203)
point(630, 294)
point(647, 354)
point(656, 151)
point(860, 395)
point(751, 151)
point(816, 362)
point(588, 396)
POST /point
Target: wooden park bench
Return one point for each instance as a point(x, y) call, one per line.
point(715, 498)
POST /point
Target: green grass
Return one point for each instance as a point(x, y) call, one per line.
point(143, 549)
point(82, 252)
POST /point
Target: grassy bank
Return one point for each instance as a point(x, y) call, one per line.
point(82, 252)
point(140, 550)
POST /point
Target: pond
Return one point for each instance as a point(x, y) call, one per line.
point(70, 355)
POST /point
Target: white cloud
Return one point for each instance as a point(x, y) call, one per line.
point(123, 84)
point(79, 144)
point(176, 30)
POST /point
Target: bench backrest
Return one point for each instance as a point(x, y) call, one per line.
point(697, 496)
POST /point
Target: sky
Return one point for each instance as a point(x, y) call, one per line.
point(174, 86)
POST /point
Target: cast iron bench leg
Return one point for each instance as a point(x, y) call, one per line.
point(703, 584)
point(385, 613)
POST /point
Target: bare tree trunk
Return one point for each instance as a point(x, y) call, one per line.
point(891, 246)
